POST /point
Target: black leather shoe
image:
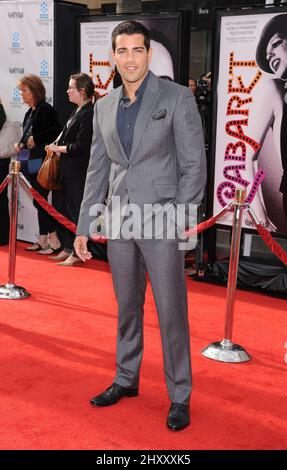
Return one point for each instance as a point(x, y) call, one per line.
point(178, 417)
point(113, 394)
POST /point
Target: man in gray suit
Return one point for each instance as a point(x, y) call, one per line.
point(148, 150)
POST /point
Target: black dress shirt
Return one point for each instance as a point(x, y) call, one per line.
point(127, 116)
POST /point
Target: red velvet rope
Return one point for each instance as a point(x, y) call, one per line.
point(59, 217)
point(208, 223)
point(202, 226)
point(274, 246)
point(4, 184)
point(71, 226)
point(52, 211)
point(276, 249)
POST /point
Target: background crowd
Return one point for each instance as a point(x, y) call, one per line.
point(40, 131)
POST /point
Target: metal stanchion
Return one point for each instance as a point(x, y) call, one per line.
point(226, 351)
point(10, 290)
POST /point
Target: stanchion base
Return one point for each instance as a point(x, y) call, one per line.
point(12, 292)
point(226, 351)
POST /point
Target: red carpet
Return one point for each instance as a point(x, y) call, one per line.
point(57, 351)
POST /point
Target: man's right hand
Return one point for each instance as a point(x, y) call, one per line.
point(80, 246)
point(17, 148)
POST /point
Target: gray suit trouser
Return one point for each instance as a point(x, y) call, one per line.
point(129, 261)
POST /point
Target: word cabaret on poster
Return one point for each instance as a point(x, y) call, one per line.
point(251, 116)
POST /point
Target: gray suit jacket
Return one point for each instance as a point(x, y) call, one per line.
point(167, 162)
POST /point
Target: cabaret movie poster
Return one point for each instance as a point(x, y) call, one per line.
point(250, 129)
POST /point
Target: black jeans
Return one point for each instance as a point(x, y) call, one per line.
point(47, 224)
point(73, 189)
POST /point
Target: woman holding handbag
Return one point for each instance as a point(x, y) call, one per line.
point(74, 149)
point(40, 126)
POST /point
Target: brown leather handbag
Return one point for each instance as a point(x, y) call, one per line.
point(49, 174)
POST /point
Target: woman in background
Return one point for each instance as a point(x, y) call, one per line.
point(4, 169)
point(40, 126)
point(74, 150)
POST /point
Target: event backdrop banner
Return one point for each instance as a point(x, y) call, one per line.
point(250, 118)
point(26, 38)
point(95, 47)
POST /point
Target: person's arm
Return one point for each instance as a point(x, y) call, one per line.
point(2, 116)
point(95, 189)
point(83, 137)
point(190, 150)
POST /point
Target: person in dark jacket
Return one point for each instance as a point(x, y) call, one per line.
point(4, 169)
point(40, 126)
point(74, 150)
point(2, 116)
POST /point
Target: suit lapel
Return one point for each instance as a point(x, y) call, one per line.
point(117, 97)
point(149, 101)
point(109, 124)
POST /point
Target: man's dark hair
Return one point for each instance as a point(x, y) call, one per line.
point(131, 27)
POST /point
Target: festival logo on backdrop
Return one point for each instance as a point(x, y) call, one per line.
point(44, 69)
point(44, 11)
point(43, 17)
point(15, 100)
point(15, 43)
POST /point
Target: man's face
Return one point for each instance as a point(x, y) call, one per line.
point(276, 54)
point(192, 85)
point(131, 57)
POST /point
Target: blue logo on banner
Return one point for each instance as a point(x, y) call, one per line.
point(16, 40)
point(44, 69)
point(16, 96)
point(44, 11)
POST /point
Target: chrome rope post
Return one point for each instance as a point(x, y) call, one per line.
point(226, 351)
point(10, 290)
